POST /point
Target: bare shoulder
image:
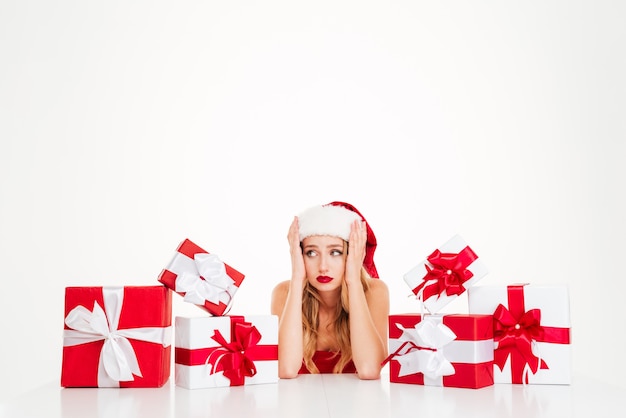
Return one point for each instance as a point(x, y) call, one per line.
point(378, 302)
point(279, 295)
point(378, 294)
point(378, 288)
point(281, 288)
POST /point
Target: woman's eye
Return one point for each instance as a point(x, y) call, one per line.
point(311, 253)
point(336, 252)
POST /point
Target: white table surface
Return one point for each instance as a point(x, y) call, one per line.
point(319, 396)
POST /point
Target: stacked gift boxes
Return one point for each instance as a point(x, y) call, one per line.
point(121, 336)
point(526, 326)
point(434, 349)
point(217, 349)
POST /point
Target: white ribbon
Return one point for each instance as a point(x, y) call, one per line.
point(208, 281)
point(427, 358)
point(118, 361)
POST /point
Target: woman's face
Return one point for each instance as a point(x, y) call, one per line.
point(324, 261)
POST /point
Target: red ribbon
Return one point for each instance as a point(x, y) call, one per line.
point(231, 357)
point(235, 358)
point(412, 347)
point(515, 330)
point(449, 272)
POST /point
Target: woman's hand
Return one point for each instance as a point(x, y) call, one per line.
point(356, 252)
point(298, 273)
point(368, 310)
point(287, 304)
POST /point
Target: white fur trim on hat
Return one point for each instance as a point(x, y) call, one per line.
point(327, 220)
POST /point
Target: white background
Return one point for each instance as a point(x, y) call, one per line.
point(126, 127)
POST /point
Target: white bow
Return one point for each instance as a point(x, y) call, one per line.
point(118, 361)
point(426, 354)
point(209, 282)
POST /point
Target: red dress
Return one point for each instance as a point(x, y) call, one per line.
point(325, 362)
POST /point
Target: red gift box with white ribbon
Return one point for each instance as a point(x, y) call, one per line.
point(117, 336)
point(227, 350)
point(201, 278)
point(454, 350)
point(445, 274)
point(531, 331)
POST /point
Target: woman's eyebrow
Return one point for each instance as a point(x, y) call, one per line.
point(335, 246)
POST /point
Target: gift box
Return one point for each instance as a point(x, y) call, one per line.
point(117, 336)
point(453, 350)
point(445, 274)
point(531, 331)
point(222, 351)
point(201, 278)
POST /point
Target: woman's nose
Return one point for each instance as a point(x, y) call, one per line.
point(323, 266)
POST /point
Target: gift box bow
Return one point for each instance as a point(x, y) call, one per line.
point(118, 360)
point(519, 334)
point(421, 350)
point(516, 332)
point(446, 272)
point(208, 281)
point(234, 358)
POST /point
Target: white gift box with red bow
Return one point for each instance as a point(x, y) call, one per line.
point(225, 351)
point(446, 274)
point(531, 331)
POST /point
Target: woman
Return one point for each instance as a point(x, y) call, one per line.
point(333, 312)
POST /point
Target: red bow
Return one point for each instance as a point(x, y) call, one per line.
point(448, 272)
point(231, 357)
point(514, 337)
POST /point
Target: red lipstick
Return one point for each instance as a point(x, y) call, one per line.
point(324, 279)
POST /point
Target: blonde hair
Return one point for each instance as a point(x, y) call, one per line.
point(310, 324)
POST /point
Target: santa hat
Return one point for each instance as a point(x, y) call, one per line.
point(334, 219)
